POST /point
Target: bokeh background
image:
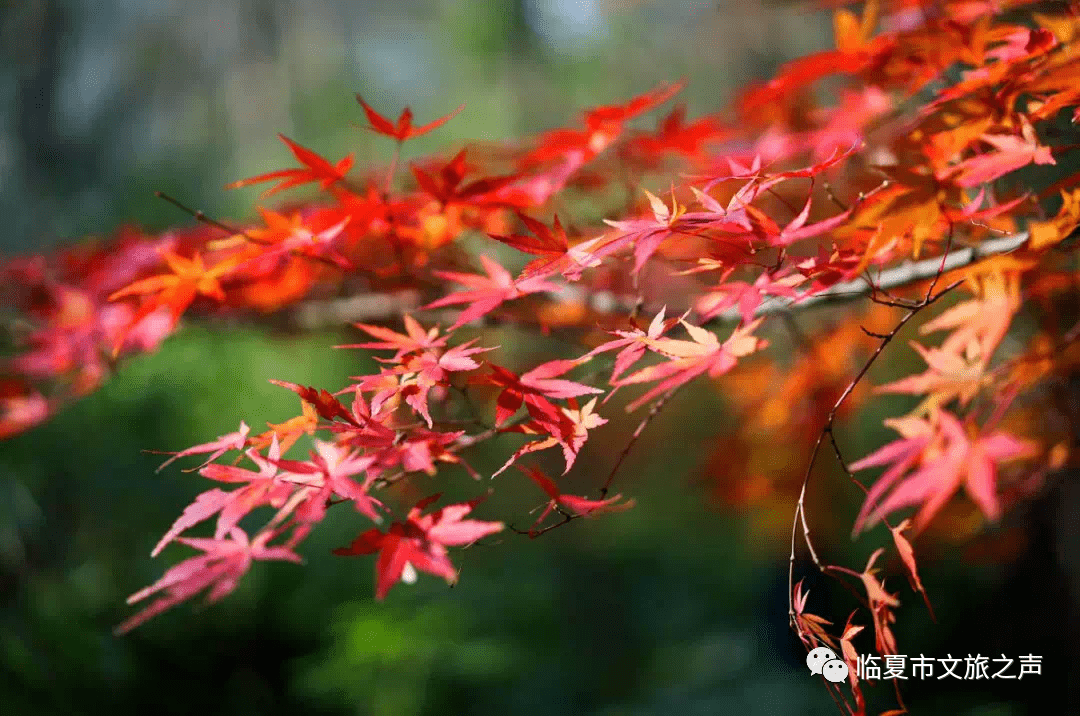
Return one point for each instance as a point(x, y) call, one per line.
point(676, 606)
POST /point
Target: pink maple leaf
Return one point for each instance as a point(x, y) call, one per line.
point(225, 561)
point(632, 344)
point(217, 448)
point(746, 296)
point(486, 293)
point(414, 339)
point(533, 389)
point(315, 169)
point(646, 235)
point(929, 467)
point(1011, 153)
point(703, 354)
point(329, 471)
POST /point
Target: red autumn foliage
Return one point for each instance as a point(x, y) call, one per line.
point(317, 169)
point(886, 191)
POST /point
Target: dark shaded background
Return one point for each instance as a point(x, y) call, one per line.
point(675, 606)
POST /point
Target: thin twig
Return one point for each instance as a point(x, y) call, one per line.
point(568, 517)
point(653, 411)
point(832, 197)
point(203, 218)
point(827, 429)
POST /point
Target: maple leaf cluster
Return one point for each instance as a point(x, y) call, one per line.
point(897, 186)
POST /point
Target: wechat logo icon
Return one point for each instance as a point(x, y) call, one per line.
point(822, 660)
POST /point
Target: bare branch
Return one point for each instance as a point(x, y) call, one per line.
point(827, 430)
point(653, 411)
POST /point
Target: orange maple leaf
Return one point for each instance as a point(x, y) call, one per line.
point(851, 658)
point(689, 359)
point(176, 291)
point(979, 323)
point(881, 605)
point(1048, 233)
point(852, 33)
point(288, 432)
point(947, 376)
point(292, 234)
point(907, 556)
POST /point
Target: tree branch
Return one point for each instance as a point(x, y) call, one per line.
point(316, 314)
point(827, 430)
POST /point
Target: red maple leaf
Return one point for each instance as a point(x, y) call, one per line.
point(536, 189)
point(315, 169)
point(533, 389)
point(419, 543)
point(674, 134)
point(543, 242)
point(580, 506)
point(603, 124)
point(619, 113)
point(800, 73)
point(445, 184)
point(323, 401)
point(404, 129)
point(827, 268)
point(570, 434)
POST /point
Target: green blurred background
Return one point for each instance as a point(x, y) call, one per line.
point(675, 606)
